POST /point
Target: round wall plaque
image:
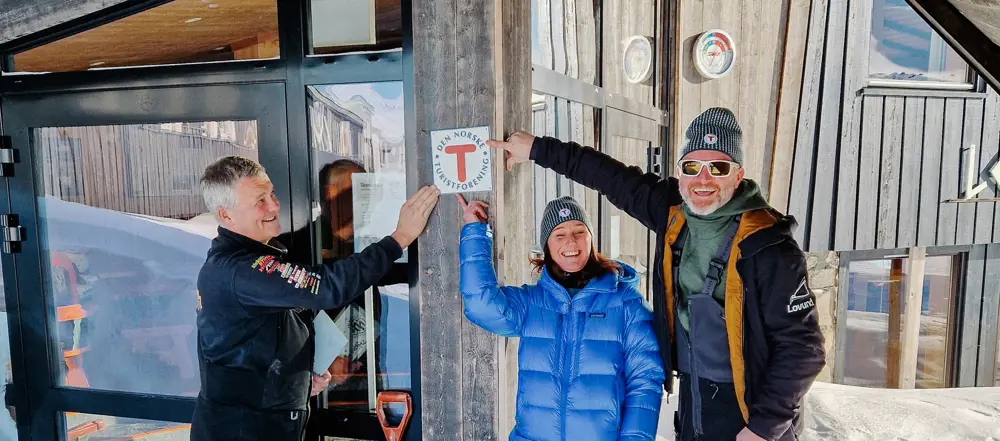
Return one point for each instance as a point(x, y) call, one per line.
point(714, 53)
point(637, 59)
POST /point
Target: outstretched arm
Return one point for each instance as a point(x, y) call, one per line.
point(645, 196)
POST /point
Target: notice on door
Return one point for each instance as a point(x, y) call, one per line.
point(377, 199)
point(462, 161)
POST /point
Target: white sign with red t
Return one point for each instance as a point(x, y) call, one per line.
point(462, 161)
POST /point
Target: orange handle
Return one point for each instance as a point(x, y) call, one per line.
point(387, 397)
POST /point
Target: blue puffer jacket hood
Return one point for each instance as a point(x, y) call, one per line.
point(588, 365)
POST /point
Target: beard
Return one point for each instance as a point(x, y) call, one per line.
point(722, 197)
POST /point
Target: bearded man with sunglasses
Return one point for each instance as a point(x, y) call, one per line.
point(734, 314)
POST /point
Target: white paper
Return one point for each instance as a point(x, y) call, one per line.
point(377, 198)
point(462, 161)
point(330, 342)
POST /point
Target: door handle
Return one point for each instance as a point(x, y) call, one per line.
point(394, 397)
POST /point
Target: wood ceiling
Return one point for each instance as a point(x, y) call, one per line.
point(188, 31)
point(161, 35)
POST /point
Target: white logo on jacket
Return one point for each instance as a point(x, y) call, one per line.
point(795, 301)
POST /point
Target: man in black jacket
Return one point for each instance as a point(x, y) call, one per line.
point(255, 341)
point(734, 314)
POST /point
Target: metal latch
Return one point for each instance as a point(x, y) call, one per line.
point(8, 156)
point(653, 162)
point(13, 233)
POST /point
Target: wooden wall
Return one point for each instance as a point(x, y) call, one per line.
point(139, 169)
point(979, 316)
point(874, 168)
point(470, 67)
point(751, 89)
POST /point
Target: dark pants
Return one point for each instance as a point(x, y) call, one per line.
point(721, 418)
point(215, 422)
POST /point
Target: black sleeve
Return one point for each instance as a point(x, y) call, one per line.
point(644, 196)
point(265, 283)
point(795, 342)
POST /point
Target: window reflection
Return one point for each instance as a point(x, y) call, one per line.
point(872, 341)
point(356, 139)
point(125, 232)
point(904, 47)
point(8, 428)
point(84, 427)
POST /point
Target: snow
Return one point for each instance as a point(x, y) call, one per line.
point(849, 413)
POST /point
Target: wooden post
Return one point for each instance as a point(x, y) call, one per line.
point(471, 67)
point(911, 318)
point(892, 353)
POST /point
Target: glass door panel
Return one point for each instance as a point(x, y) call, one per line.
point(116, 233)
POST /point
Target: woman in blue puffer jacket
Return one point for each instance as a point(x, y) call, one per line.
point(589, 367)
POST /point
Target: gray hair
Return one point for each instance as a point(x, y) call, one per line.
point(220, 178)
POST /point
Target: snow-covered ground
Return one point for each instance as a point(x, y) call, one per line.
point(849, 413)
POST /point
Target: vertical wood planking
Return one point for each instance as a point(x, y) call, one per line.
point(954, 119)
point(586, 40)
point(911, 182)
point(849, 142)
point(544, 24)
point(805, 138)
point(688, 99)
point(868, 181)
point(990, 319)
point(985, 211)
point(889, 180)
point(558, 36)
point(790, 96)
point(930, 172)
point(474, 105)
point(829, 138)
point(971, 135)
point(435, 84)
point(971, 307)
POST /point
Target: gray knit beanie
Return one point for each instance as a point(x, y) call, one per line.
point(561, 210)
point(715, 129)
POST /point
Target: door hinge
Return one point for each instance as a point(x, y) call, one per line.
point(654, 161)
point(13, 233)
point(8, 156)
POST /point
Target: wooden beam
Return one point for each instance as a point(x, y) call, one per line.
point(912, 304)
point(892, 354)
point(258, 47)
point(964, 36)
point(471, 66)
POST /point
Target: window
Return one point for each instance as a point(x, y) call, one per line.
point(904, 47)
point(126, 234)
point(182, 31)
point(339, 26)
point(8, 428)
point(102, 427)
point(874, 320)
point(356, 142)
